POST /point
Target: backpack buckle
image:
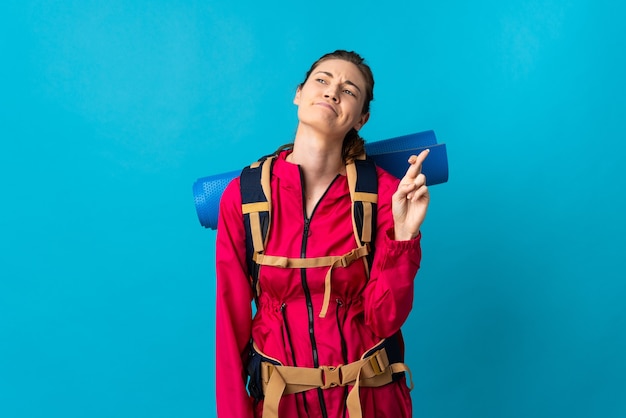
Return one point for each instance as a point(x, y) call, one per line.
point(351, 257)
point(377, 367)
point(331, 376)
point(267, 369)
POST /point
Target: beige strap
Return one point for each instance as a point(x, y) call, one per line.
point(351, 177)
point(254, 208)
point(366, 197)
point(367, 223)
point(255, 229)
point(265, 183)
point(330, 261)
point(371, 371)
point(367, 200)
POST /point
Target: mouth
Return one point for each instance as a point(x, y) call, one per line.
point(327, 106)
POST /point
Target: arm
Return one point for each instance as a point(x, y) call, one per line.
point(388, 296)
point(233, 308)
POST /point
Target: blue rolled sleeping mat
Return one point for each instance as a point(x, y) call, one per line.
point(391, 154)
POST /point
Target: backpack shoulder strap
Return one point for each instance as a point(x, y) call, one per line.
point(363, 185)
point(256, 206)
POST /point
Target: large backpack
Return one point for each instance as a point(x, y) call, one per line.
point(257, 211)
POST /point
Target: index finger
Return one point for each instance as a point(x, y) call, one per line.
point(416, 164)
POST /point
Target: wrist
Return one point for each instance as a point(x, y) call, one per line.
point(401, 235)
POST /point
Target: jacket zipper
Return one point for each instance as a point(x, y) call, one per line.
point(309, 308)
point(305, 285)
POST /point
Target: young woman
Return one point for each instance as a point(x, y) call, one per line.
point(304, 319)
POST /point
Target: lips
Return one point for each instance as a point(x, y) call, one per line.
point(328, 106)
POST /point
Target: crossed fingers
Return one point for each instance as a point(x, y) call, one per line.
point(413, 184)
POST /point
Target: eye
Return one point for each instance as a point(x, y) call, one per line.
point(349, 92)
point(320, 80)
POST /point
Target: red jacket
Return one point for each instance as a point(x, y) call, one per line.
point(361, 312)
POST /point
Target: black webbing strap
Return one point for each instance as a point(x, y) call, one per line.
point(365, 201)
point(256, 209)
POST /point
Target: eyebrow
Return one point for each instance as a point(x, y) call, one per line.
point(347, 81)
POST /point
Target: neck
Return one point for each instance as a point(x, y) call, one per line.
point(317, 154)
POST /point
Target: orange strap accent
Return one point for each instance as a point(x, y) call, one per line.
point(367, 200)
point(371, 371)
point(329, 261)
point(253, 209)
point(353, 401)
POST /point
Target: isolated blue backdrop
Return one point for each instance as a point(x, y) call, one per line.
point(111, 110)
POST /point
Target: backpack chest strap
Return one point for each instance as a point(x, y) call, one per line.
point(328, 261)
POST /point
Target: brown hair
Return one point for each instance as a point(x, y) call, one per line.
point(353, 144)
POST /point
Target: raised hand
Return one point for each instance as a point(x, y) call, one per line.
point(410, 201)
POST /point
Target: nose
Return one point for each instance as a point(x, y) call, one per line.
point(332, 93)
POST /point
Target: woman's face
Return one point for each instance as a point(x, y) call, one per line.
point(332, 98)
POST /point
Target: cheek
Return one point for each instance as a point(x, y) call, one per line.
point(355, 111)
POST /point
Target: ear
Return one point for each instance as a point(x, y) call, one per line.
point(296, 99)
point(362, 121)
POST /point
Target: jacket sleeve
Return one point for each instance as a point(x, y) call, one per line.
point(388, 295)
point(233, 308)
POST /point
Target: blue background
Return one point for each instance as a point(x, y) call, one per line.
point(111, 110)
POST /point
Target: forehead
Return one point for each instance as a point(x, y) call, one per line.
point(341, 69)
